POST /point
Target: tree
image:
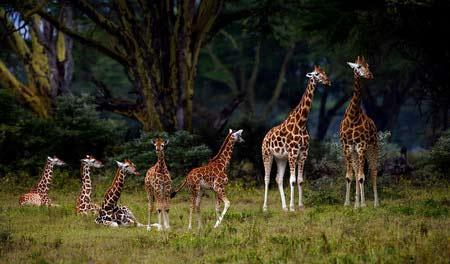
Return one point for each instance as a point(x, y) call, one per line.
point(44, 54)
point(158, 44)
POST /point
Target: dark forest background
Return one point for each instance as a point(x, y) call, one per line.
point(104, 77)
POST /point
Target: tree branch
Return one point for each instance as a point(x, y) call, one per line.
point(84, 40)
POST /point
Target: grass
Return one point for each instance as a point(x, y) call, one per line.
point(411, 226)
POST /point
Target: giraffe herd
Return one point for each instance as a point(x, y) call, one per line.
point(286, 143)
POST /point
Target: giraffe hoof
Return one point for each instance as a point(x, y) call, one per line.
point(363, 205)
point(291, 209)
point(265, 209)
point(285, 209)
point(347, 204)
point(301, 207)
point(376, 205)
point(149, 228)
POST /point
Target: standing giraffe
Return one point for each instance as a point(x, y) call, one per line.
point(38, 195)
point(110, 213)
point(84, 205)
point(158, 186)
point(211, 176)
point(358, 135)
point(289, 142)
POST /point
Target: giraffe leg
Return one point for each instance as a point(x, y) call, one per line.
point(166, 219)
point(218, 204)
point(281, 167)
point(372, 155)
point(292, 163)
point(267, 160)
point(150, 210)
point(221, 194)
point(197, 209)
point(361, 178)
point(160, 216)
point(348, 173)
point(301, 164)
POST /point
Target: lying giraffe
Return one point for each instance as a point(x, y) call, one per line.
point(211, 176)
point(358, 135)
point(38, 195)
point(158, 186)
point(289, 141)
point(84, 205)
point(110, 213)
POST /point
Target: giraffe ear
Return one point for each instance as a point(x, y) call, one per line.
point(120, 164)
point(230, 131)
point(239, 132)
point(352, 65)
point(166, 142)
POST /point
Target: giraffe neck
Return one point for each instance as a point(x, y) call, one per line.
point(161, 163)
point(225, 155)
point(354, 108)
point(113, 193)
point(44, 183)
point(301, 111)
point(86, 180)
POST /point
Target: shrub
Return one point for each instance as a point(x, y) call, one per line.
point(183, 152)
point(75, 130)
point(440, 154)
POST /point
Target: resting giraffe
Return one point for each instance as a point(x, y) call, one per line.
point(38, 195)
point(110, 213)
point(289, 141)
point(158, 186)
point(84, 205)
point(211, 176)
point(358, 135)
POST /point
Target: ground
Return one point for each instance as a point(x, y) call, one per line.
point(412, 225)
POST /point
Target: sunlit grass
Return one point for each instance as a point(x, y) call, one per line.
point(412, 225)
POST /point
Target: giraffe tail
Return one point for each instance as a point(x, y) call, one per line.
point(178, 189)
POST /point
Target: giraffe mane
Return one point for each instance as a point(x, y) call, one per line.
point(221, 148)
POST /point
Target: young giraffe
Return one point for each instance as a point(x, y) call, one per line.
point(84, 205)
point(289, 142)
point(158, 186)
point(38, 195)
point(110, 213)
point(211, 176)
point(358, 136)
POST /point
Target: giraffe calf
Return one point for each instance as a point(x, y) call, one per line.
point(158, 185)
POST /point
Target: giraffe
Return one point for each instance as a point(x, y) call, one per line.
point(110, 213)
point(158, 186)
point(211, 176)
point(38, 195)
point(358, 136)
point(289, 141)
point(84, 205)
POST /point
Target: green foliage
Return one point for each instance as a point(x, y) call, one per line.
point(183, 153)
point(440, 154)
point(75, 130)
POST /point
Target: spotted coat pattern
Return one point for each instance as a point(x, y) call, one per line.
point(289, 142)
point(358, 136)
point(84, 204)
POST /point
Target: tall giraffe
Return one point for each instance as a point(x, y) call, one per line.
point(158, 186)
point(211, 176)
point(358, 136)
point(110, 213)
point(289, 141)
point(38, 195)
point(84, 204)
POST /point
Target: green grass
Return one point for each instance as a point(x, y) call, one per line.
point(411, 226)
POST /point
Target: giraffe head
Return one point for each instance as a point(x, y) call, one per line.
point(160, 144)
point(128, 167)
point(361, 68)
point(236, 135)
point(92, 162)
point(318, 75)
point(55, 161)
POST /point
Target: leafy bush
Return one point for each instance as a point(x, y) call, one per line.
point(75, 130)
point(183, 152)
point(440, 154)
